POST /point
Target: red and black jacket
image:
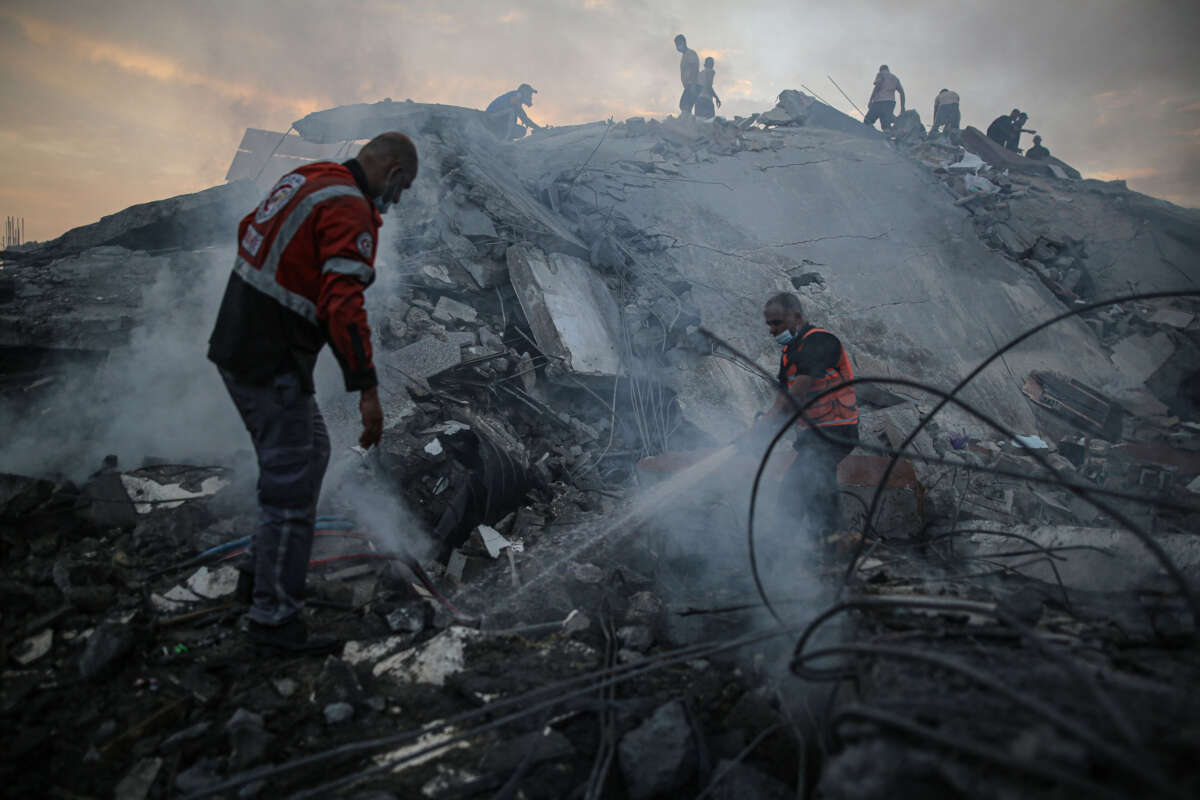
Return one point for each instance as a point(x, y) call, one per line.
point(305, 255)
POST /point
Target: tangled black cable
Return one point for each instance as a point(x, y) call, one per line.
point(921, 423)
point(1084, 493)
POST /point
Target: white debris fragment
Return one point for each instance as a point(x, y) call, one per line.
point(369, 652)
point(968, 163)
point(977, 184)
point(1194, 486)
point(492, 540)
point(164, 606)
point(149, 494)
point(431, 739)
point(431, 662)
point(214, 584)
point(34, 647)
point(1030, 442)
point(434, 448)
point(180, 594)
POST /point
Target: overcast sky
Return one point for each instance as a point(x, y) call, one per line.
point(106, 104)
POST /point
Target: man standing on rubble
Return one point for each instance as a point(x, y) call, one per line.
point(508, 109)
point(812, 366)
point(305, 255)
point(945, 112)
point(689, 75)
point(882, 105)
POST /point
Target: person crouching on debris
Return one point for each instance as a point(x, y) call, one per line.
point(305, 255)
point(882, 105)
point(812, 366)
point(1037, 152)
point(689, 75)
point(946, 114)
point(507, 111)
point(704, 101)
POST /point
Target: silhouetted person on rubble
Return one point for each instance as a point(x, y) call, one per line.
point(812, 366)
point(1037, 152)
point(882, 105)
point(945, 112)
point(507, 111)
point(305, 255)
point(689, 75)
point(1018, 127)
point(1001, 129)
point(708, 95)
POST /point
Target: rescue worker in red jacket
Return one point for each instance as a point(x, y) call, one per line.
point(305, 255)
point(813, 362)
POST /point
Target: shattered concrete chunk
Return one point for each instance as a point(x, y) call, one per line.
point(432, 661)
point(106, 648)
point(659, 756)
point(571, 311)
point(486, 274)
point(248, 739)
point(34, 647)
point(213, 584)
point(576, 622)
point(1138, 357)
point(450, 310)
point(337, 713)
point(638, 638)
point(426, 358)
point(138, 781)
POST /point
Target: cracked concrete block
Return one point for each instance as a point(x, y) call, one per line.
point(450, 310)
point(658, 757)
point(472, 223)
point(574, 318)
point(718, 396)
point(486, 274)
point(426, 358)
point(1139, 357)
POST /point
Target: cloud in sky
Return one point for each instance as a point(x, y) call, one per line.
point(109, 104)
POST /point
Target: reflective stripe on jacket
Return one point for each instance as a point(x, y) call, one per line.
point(836, 408)
point(308, 250)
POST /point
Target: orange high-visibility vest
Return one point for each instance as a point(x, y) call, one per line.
point(836, 408)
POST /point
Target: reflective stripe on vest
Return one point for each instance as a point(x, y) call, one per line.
point(265, 279)
point(839, 407)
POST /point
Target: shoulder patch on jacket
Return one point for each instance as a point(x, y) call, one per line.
point(278, 196)
point(365, 244)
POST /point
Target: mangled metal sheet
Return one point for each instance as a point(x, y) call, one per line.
point(574, 318)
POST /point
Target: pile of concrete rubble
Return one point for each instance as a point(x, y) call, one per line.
point(542, 572)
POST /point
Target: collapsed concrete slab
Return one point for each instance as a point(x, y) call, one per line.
point(570, 309)
point(186, 222)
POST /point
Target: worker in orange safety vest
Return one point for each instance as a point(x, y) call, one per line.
point(812, 367)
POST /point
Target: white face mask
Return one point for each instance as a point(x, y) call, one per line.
point(785, 337)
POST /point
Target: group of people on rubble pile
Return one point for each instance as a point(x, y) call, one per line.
point(1005, 130)
point(508, 120)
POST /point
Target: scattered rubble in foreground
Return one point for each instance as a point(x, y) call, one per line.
point(579, 617)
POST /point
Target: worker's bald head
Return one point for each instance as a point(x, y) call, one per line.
point(392, 148)
point(389, 162)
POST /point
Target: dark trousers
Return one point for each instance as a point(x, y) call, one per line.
point(292, 445)
point(882, 110)
point(947, 115)
point(504, 124)
point(810, 487)
point(704, 107)
point(688, 99)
